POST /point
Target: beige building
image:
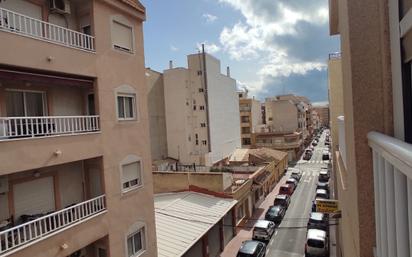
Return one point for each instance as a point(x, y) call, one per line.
point(323, 112)
point(202, 111)
point(75, 168)
point(250, 117)
point(374, 156)
point(157, 117)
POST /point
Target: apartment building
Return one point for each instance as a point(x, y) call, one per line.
point(202, 111)
point(157, 116)
point(250, 117)
point(323, 111)
point(374, 155)
point(75, 169)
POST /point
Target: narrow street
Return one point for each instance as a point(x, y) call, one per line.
point(289, 239)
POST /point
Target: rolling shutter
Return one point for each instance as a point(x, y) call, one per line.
point(34, 197)
point(131, 172)
point(122, 36)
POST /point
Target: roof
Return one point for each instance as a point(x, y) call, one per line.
point(316, 234)
point(249, 246)
point(316, 216)
point(135, 4)
point(266, 154)
point(183, 218)
point(262, 224)
point(282, 196)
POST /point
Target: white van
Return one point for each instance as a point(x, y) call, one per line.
point(317, 243)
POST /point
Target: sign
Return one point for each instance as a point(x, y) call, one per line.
point(327, 206)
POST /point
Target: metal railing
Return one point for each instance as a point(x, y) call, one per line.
point(392, 170)
point(43, 126)
point(341, 141)
point(18, 236)
point(27, 26)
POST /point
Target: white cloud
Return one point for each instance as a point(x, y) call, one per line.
point(210, 18)
point(210, 48)
point(270, 35)
point(174, 48)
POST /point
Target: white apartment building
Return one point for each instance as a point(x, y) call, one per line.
point(202, 111)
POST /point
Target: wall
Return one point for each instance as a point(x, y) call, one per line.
point(256, 114)
point(157, 119)
point(223, 111)
point(282, 115)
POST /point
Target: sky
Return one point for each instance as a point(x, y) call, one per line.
point(272, 46)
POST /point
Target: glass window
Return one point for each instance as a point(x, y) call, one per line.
point(131, 176)
point(126, 107)
point(25, 103)
point(135, 243)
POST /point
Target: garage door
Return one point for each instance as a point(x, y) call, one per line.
point(33, 197)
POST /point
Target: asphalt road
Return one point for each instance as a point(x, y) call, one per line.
point(289, 238)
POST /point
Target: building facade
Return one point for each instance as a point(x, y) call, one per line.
point(75, 169)
point(250, 117)
point(373, 159)
point(202, 111)
point(323, 112)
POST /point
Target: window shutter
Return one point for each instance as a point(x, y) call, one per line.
point(122, 36)
point(131, 171)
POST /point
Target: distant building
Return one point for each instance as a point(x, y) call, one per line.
point(250, 117)
point(202, 111)
point(323, 112)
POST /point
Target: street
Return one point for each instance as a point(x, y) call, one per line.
point(289, 239)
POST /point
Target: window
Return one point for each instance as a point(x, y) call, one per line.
point(126, 106)
point(200, 90)
point(204, 142)
point(199, 73)
point(122, 36)
point(136, 243)
point(244, 118)
point(131, 176)
point(25, 103)
point(197, 139)
point(245, 130)
point(246, 141)
point(203, 125)
point(201, 107)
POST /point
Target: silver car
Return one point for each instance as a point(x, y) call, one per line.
point(263, 230)
point(317, 243)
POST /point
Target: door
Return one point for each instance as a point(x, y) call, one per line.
point(95, 182)
point(33, 197)
point(91, 109)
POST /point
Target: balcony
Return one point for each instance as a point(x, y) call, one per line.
point(392, 170)
point(26, 26)
point(46, 126)
point(37, 204)
point(15, 238)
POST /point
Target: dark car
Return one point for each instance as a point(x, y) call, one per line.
point(283, 200)
point(286, 189)
point(314, 143)
point(318, 220)
point(295, 176)
point(252, 248)
point(275, 213)
point(307, 156)
point(323, 176)
point(325, 155)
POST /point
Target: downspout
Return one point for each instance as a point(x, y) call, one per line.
point(206, 98)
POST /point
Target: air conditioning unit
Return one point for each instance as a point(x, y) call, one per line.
point(60, 6)
point(4, 185)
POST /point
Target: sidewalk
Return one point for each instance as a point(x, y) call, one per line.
point(245, 233)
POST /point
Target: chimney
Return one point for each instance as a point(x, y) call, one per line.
point(228, 71)
point(170, 64)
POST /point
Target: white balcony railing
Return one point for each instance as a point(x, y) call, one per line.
point(342, 142)
point(392, 170)
point(27, 26)
point(43, 126)
point(15, 238)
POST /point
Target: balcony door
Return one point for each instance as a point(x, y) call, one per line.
point(21, 103)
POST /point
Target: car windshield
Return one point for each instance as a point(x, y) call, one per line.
point(315, 243)
point(260, 230)
point(280, 201)
point(274, 211)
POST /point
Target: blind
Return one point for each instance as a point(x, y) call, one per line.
point(122, 36)
point(131, 171)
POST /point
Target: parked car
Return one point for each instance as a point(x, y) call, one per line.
point(283, 200)
point(325, 155)
point(286, 189)
point(318, 220)
point(296, 175)
point(322, 194)
point(275, 213)
point(324, 175)
point(307, 155)
point(314, 143)
point(317, 243)
point(263, 230)
point(252, 248)
point(323, 185)
point(292, 182)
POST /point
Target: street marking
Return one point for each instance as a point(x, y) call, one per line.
point(276, 232)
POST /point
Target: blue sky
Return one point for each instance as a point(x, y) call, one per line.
point(272, 47)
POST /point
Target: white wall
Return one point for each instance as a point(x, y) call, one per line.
point(224, 117)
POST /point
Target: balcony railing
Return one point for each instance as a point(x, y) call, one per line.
point(342, 142)
point(17, 237)
point(43, 126)
point(27, 26)
point(392, 170)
